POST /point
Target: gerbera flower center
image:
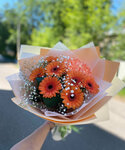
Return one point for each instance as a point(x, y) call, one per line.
point(71, 97)
point(76, 80)
point(54, 69)
point(50, 87)
point(39, 75)
point(89, 84)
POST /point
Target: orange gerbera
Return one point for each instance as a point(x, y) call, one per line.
point(56, 68)
point(49, 87)
point(38, 72)
point(90, 84)
point(72, 97)
point(51, 58)
point(75, 77)
point(76, 64)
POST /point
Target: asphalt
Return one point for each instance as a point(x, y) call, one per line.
point(16, 123)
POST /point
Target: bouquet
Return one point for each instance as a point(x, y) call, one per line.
point(65, 86)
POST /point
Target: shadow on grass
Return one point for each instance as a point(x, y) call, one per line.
point(16, 123)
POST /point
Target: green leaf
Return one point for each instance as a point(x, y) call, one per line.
point(75, 129)
point(63, 131)
point(39, 79)
point(52, 102)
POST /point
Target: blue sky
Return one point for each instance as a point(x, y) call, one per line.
point(117, 4)
point(10, 2)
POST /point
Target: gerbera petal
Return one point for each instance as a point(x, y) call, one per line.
point(49, 87)
point(90, 84)
point(72, 100)
point(75, 77)
point(51, 58)
point(76, 64)
point(56, 68)
point(38, 72)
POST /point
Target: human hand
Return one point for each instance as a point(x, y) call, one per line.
point(50, 124)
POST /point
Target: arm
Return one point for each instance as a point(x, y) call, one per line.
point(36, 139)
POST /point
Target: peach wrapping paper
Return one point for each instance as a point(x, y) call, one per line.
point(102, 70)
point(26, 66)
point(59, 48)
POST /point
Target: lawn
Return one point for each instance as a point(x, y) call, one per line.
point(122, 93)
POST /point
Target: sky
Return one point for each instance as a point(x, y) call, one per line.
point(10, 2)
point(117, 4)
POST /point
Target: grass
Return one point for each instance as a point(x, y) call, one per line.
point(122, 93)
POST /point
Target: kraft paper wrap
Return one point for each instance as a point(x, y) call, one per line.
point(103, 69)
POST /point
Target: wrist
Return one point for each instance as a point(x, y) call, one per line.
point(51, 125)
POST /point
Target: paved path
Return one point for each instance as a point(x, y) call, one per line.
point(116, 122)
point(6, 69)
point(15, 124)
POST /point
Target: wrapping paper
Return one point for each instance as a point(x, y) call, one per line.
point(103, 71)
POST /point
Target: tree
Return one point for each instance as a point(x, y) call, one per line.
point(4, 34)
point(75, 23)
point(118, 45)
point(21, 20)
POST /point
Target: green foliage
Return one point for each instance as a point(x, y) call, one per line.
point(118, 46)
point(52, 102)
point(39, 79)
point(4, 34)
point(64, 130)
point(122, 93)
point(74, 22)
point(22, 19)
point(75, 129)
